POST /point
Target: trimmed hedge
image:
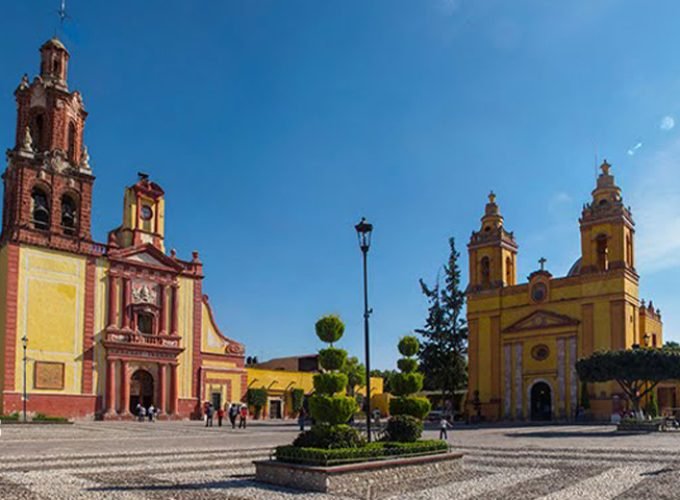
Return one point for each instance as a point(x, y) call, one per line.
point(404, 384)
point(332, 358)
point(330, 328)
point(332, 410)
point(413, 406)
point(329, 383)
point(409, 346)
point(407, 365)
point(404, 429)
point(330, 436)
point(372, 451)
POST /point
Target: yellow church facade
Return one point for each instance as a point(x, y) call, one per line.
point(104, 326)
point(525, 338)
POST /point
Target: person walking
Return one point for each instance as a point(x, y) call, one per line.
point(233, 413)
point(301, 419)
point(444, 425)
point(142, 414)
point(151, 412)
point(220, 416)
point(209, 415)
point(243, 414)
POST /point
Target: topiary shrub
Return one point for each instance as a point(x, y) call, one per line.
point(404, 384)
point(414, 407)
point(330, 328)
point(404, 429)
point(407, 365)
point(332, 358)
point(330, 383)
point(409, 346)
point(332, 410)
point(329, 437)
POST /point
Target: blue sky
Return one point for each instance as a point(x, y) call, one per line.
point(273, 126)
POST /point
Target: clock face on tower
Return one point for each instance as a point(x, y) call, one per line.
point(147, 213)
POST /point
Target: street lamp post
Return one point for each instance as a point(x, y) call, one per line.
point(24, 342)
point(364, 230)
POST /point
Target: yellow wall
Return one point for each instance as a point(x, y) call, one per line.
point(185, 320)
point(100, 323)
point(50, 313)
point(3, 316)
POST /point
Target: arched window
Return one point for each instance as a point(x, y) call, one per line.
point(69, 215)
point(629, 250)
point(37, 126)
point(40, 211)
point(56, 66)
point(72, 142)
point(602, 253)
point(485, 272)
point(509, 271)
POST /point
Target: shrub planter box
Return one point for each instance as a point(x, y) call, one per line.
point(364, 479)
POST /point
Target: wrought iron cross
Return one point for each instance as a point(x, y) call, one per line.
point(542, 262)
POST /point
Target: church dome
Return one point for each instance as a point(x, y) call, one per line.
point(575, 269)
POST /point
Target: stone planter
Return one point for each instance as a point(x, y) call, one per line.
point(655, 425)
point(365, 479)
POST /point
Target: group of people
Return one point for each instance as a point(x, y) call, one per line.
point(233, 410)
point(146, 413)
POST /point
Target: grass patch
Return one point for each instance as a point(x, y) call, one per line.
point(41, 417)
point(370, 452)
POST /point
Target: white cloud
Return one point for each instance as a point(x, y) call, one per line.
point(667, 123)
point(655, 199)
point(633, 150)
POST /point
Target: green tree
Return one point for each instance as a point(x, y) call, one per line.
point(672, 346)
point(356, 374)
point(297, 398)
point(386, 375)
point(257, 398)
point(443, 355)
point(637, 371)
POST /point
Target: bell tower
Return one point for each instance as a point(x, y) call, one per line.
point(143, 216)
point(607, 228)
point(492, 252)
point(48, 181)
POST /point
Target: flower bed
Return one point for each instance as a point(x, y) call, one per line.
point(370, 452)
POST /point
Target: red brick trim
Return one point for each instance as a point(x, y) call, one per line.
point(197, 337)
point(88, 327)
point(11, 305)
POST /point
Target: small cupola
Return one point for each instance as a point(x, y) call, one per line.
point(54, 62)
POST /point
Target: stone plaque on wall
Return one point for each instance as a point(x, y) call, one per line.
point(48, 375)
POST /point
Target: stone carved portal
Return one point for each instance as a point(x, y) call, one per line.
point(141, 390)
point(541, 401)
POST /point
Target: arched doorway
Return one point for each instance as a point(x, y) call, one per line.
point(141, 390)
point(541, 401)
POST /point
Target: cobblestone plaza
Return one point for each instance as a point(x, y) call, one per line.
point(131, 460)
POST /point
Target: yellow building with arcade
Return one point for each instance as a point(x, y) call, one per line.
point(525, 338)
point(105, 326)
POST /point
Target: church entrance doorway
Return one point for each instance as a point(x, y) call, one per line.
point(541, 402)
point(141, 390)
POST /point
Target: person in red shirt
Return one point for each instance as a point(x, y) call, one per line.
point(220, 416)
point(243, 414)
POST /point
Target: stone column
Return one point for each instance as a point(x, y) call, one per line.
point(111, 386)
point(161, 388)
point(174, 310)
point(126, 302)
point(124, 388)
point(519, 386)
point(163, 311)
point(113, 302)
point(561, 379)
point(173, 389)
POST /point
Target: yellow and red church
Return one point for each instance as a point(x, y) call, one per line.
point(525, 338)
point(105, 325)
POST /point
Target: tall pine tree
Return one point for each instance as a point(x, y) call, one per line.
point(443, 355)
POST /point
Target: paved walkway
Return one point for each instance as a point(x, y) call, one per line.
point(133, 460)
